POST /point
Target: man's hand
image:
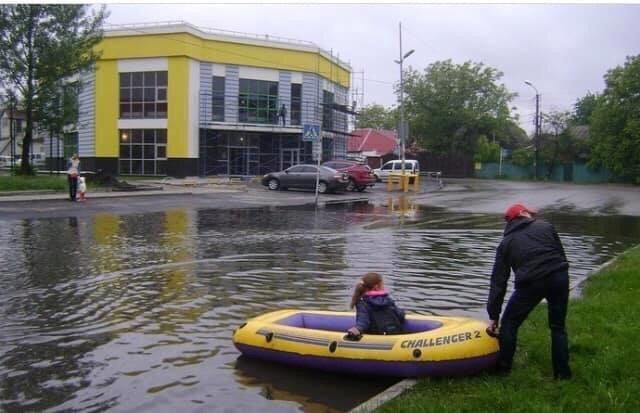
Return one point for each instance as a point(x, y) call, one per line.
point(492, 329)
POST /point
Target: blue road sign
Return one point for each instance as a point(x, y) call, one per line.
point(311, 133)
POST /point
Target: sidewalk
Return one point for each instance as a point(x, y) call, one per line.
point(101, 193)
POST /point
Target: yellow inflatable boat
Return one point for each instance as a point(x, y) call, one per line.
point(432, 346)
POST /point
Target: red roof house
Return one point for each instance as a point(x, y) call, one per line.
point(372, 142)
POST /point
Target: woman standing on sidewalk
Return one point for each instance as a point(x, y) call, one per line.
point(73, 171)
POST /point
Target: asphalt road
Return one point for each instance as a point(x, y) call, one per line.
point(467, 195)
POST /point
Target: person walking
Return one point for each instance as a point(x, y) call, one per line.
point(73, 171)
point(532, 249)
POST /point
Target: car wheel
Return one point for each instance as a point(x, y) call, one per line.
point(351, 185)
point(378, 178)
point(273, 184)
point(322, 187)
point(361, 188)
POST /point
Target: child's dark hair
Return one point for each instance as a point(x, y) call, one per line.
point(367, 282)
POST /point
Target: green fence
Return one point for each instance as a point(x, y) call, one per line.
point(577, 172)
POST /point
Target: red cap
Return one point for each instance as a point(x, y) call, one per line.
point(514, 211)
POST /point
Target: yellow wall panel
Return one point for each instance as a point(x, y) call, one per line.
point(107, 111)
point(186, 44)
point(178, 118)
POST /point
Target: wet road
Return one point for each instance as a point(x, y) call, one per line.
point(133, 310)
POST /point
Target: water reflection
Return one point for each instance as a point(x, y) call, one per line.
point(135, 312)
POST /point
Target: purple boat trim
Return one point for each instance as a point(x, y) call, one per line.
point(341, 322)
point(448, 368)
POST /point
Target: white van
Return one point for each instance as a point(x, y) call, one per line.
point(410, 166)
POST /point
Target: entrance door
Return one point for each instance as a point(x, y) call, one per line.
point(237, 161)
point(243, 161)
point(289, 158)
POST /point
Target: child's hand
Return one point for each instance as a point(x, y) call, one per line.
point(353, 331)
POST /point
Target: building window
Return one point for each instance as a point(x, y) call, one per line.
point(327, 110)
point(143, 95)
point(258, 101)
point(296, 103)
point(143, 151)
point(217, 104)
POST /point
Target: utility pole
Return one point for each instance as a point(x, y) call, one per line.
point(537, 124)
point(402, 129)
point(537, 138)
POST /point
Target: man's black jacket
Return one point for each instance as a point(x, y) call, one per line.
point(532, 249)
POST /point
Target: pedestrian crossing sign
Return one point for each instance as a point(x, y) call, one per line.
point(311, 133)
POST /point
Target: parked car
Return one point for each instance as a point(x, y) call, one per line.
point(395, 166)
point(304, 176)
point(360, 175)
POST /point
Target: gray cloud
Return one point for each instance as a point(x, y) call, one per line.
point(563, 49)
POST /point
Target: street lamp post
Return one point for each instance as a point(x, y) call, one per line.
point(402, 128)
point(537, 129)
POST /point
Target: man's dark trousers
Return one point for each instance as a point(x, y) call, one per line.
point(73, 186)
point(555, 288)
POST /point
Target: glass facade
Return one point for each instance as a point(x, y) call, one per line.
point(217, 99)
point(143, 152)
point(143, 95)
point(296, 104)
point(327, 110)
point(250, 153)
point(258, 101)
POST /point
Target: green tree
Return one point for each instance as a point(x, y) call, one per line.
point(450, 105)
point(486, 151)
point(40, 46)
point(556, 143)
point(583, 109)
point(377, 117)
point(522, 157)
point(615, 122)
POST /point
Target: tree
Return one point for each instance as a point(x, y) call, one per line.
point(615, 122)
point(583, 109)
point(450, 105)
point(377, 117)
point(40, 46)
point(556, 143)
point(486, 151)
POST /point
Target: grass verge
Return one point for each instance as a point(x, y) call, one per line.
point(24, 183)
point(604, 329)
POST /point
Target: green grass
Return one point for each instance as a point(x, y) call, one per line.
point(23, 183)
point(604, 334)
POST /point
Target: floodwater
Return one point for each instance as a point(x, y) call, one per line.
point(135, 312)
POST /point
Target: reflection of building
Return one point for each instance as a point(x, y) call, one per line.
point(178, 100)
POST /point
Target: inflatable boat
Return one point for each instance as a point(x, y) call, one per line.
point(431, 346)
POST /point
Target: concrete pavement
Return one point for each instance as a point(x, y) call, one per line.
point(466, 195)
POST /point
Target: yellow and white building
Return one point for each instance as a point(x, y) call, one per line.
point(174, 99)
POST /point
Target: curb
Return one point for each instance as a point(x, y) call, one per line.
point(387, 395)
point(576, 290)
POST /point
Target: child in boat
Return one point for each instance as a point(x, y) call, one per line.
point(376, 312)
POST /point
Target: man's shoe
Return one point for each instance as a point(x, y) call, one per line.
point(562, 376)
point(500, 370)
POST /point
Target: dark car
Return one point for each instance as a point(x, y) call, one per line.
point(360, 175)
point(304, 176)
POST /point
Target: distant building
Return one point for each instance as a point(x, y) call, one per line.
point(17, 119)
point(372, 145)
point(174, 99)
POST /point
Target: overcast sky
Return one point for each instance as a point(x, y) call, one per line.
point(563, 49)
